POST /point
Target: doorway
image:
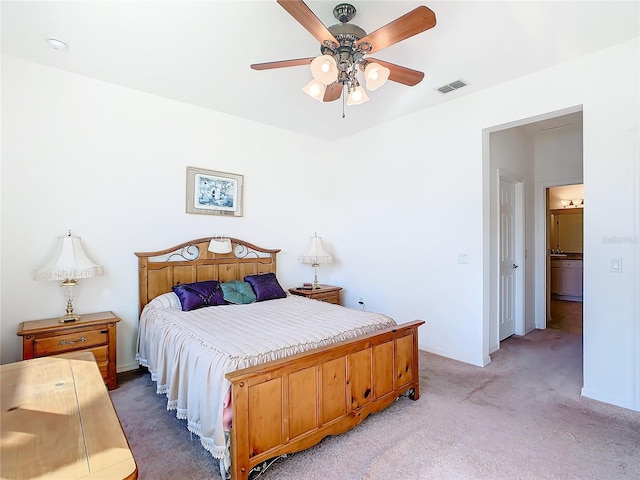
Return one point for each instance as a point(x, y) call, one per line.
point(565, 265)
point(543, 151)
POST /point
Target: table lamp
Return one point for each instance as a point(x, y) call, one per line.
point(314, 256)
point(68, 264)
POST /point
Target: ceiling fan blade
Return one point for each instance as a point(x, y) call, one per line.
point(332, 92)
point(399, 74)
point(282, 63)
point(416, 21)
point(305, 17)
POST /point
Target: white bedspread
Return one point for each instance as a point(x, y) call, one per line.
point(189, 353)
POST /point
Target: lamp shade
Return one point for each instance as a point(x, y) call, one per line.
point(324, 69)
point(220, 245)
point(357, 96)
point(69, 261)
point(376, 75)
point(315, 89)
point(316, 253)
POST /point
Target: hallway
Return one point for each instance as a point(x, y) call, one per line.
point(566, 315)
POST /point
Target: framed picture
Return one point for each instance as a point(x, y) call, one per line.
point(214, 193)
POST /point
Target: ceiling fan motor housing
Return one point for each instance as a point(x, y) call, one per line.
point(344, 12)
point(346, 54)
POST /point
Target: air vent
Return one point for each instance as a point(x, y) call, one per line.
point(452, 86)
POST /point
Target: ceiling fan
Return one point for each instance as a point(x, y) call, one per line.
point(344, 46)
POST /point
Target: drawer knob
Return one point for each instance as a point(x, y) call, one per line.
point(73, 342)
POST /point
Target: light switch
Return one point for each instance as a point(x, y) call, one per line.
point(615, 265)
point(463, 258)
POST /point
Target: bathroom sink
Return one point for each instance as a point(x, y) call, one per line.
point(557, 255)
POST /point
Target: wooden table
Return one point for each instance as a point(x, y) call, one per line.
point(58, 422)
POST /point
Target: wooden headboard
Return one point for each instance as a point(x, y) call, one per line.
point(192, 262)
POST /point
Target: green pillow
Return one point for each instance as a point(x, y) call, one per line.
point(238, 292)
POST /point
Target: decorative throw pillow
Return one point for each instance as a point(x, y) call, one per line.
point(199, 294)
point(266, 286)
point(238, 292)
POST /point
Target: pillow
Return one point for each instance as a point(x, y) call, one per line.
point(165, 301)
point(238, 292)
point(199, 294)
point(266, 286)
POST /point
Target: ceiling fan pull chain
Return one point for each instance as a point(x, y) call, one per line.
point(343, 103)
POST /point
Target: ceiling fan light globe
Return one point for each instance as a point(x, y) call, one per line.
point(324, 69)
point(376, 75)
point(357, 96)
point(314, 89)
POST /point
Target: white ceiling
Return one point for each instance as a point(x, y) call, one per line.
point(199, 52)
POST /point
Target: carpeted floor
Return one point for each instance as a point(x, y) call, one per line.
point(521, 417)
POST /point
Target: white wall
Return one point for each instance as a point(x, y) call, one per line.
point(559, 156)
point(612, 178)
point(396, 204)
point(421, 200)
point(110, 164)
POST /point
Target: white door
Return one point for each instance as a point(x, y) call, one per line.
point(508, 266)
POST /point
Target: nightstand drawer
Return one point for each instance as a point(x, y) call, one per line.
point(102, 359)
point(72, 341)
point(329, 297)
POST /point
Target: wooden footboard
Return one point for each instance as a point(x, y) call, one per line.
point(291, 404)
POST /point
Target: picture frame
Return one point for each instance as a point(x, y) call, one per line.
point(210, 192)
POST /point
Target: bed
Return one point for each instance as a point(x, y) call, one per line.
point(260, 379)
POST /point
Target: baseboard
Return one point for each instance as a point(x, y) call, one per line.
point(483, 363)
point(127, 367)
point(618, 402)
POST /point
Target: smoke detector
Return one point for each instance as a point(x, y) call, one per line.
point(57, 44)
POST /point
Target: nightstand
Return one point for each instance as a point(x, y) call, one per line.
point(94, 332)
point(326, 293)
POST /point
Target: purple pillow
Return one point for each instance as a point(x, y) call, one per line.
point(199, 294)
point(266, 286)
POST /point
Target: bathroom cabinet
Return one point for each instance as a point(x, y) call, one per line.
point(566, 279)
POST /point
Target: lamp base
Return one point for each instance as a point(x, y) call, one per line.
point(69, 284)
point(69, 318)
point(315, 285)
